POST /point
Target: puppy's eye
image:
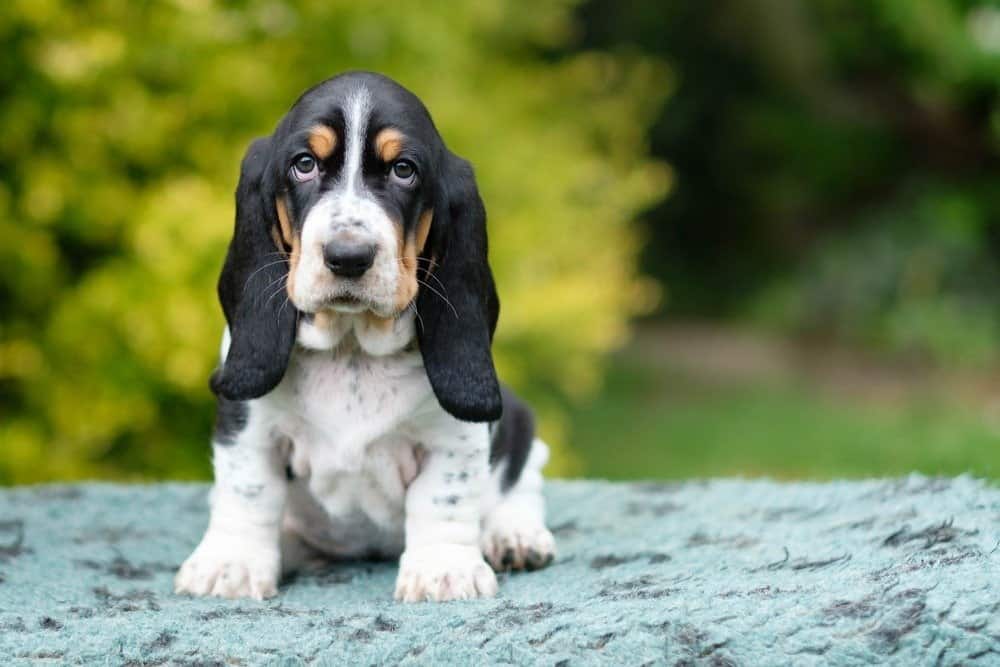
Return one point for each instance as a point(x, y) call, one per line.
point(304, 167)
point(404, 172)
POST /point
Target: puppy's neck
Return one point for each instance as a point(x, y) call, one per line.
point(377, 336)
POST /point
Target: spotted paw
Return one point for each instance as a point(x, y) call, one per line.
point(226, 567)
point(444, 572)
point(509, 544)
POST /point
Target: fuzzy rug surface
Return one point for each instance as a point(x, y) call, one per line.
point(724, 572)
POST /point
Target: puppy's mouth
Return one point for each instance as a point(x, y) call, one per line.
point(348, 303)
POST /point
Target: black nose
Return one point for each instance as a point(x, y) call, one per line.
point(349, 260)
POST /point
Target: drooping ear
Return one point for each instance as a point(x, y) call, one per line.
point(251, 287)
point(455, 335)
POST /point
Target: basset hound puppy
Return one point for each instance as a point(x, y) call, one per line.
point(358, 408)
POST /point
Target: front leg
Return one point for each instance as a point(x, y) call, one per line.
point(442, 559)
point(239, 556)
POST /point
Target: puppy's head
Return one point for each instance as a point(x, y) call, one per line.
point(355, 205)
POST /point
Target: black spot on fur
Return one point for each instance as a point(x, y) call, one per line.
point(512, 438)
point(230, 420)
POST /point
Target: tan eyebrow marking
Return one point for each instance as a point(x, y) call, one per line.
point(389, 144)
point(322, 141)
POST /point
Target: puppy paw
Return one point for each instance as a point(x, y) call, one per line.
point(511, 544)
point(444, 572)
point(227, 567)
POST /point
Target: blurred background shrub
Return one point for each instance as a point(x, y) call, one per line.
point(796, 199)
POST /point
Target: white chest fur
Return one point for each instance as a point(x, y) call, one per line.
point(346, 410)
point(333, 405)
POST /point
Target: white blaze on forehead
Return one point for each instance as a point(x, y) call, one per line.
point(349, 207)
point(358, 109)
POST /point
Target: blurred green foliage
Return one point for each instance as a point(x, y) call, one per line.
point(916, 280)
point(124, 123)
point(836, 165)
point(683, 425)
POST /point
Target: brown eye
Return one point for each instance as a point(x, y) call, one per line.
point(404, 172)
point(304, 167)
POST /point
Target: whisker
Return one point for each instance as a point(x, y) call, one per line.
point(258, 270)
point(275, 281)
point(431, 288)
point(428, 273)
point(443, 297)
point(276, 292)
point(285, 303)
point(413, 305)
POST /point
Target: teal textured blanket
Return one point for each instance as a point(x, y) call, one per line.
point(723, 572)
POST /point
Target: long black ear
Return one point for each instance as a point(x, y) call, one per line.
point(251, 287)
point(455, 335)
